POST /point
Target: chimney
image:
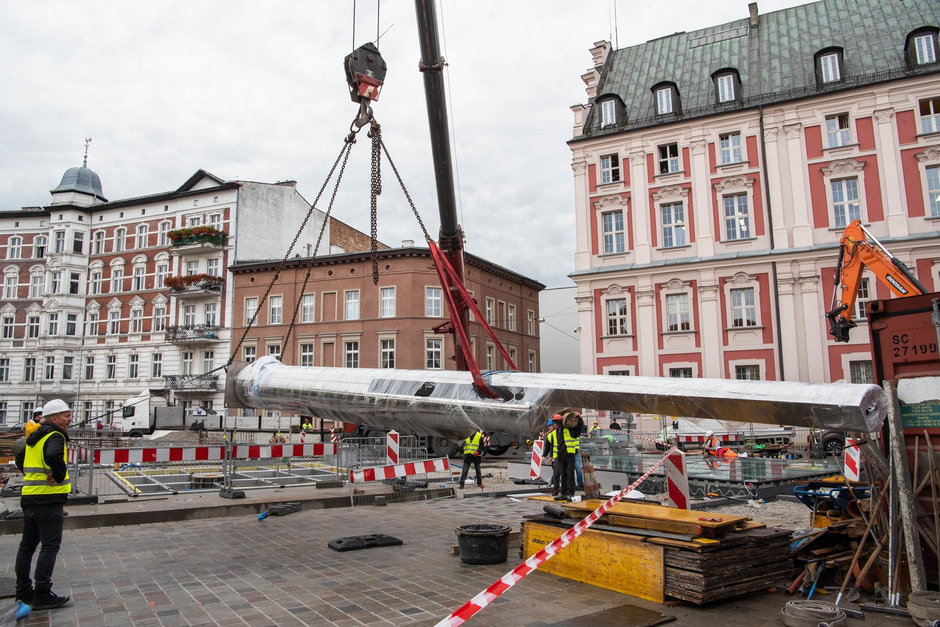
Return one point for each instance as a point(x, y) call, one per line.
point(406, 243)
point(752, 8)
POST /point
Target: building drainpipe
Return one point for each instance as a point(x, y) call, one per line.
point(770, 227)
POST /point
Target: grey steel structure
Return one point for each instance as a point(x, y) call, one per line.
point(445, 403)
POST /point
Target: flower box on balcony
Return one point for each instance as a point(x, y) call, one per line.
point(197, 235)
point(191, 282)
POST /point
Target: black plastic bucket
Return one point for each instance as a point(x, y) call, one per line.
point(483, 544)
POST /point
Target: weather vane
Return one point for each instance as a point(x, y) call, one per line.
point(85, 161)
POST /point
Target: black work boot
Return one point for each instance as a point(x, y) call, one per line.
point(46, 599)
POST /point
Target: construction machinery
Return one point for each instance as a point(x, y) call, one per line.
point(859, 249)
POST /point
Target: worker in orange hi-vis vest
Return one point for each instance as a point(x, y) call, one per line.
point(713, 446)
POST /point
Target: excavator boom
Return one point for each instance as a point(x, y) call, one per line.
point(856, 253)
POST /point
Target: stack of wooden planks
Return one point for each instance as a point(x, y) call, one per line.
point(706, 556)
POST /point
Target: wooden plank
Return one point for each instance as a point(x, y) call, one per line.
point(602, 558)
point(703, 519)
point(669, 526)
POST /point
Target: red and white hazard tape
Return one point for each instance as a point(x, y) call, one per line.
point(391, 446)
point(535, 468)
point(380, 473)
point(637, 435)
point(196, 453)
point(852, 466)
point(469, 609)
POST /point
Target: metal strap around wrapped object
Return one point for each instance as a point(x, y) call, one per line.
point(813, 614)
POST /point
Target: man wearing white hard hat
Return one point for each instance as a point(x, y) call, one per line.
point(45, 490)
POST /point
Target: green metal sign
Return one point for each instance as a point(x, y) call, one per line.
point(921, 416)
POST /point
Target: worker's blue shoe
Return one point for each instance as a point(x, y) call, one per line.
point(22, 610)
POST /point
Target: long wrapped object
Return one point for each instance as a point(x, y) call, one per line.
point(445, 403)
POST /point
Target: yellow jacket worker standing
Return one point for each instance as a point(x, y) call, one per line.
point(45, 490)
point(472, 451)
point(565, 446)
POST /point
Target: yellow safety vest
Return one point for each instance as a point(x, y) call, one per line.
point(471, 446)
point(572, 444)
point(37, 473)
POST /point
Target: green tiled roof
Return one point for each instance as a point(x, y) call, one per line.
point(775, 60)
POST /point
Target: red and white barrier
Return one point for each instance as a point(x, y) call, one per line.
point(469, 609)
point(141, 455)
point(391, 446)
point(380, 473)
point(677, 481)
point(535, 469)
point(334, 437)
point(852, 466)
point(303, 436)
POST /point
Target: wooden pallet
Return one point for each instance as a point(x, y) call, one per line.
point(659, 518)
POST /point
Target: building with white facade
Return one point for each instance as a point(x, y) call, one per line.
point(716, 169)
point(558, 330)
point(105, 299)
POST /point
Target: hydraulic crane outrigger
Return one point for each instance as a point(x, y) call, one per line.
point(855, 254)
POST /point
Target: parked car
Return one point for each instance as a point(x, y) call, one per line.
point(12, 428)
point(832, 442)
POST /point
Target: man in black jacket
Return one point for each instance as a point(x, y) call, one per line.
point(46, 487)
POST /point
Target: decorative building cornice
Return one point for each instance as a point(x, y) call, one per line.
point(930, 154)
point(734, 182)
point(770, 133)
point(637, 157)
point(615, 290)
point(673, 192)
point(697, 146)
point(578, 167)
point(741, 278)
point(793, 130)
point(883, 116)
point(614, 201)
point(842, 167)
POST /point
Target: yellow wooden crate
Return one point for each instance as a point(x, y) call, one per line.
point(602, 558)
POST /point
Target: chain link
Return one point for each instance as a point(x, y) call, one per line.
point(376, 134)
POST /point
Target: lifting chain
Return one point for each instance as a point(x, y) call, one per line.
point(376, 134)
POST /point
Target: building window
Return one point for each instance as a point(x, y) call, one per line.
point(29, 370)
point(490, 357)
point(530, 322)
point(433, 305)
point(306, 355)
point(39, 247)
point(511, 317)
point(251, 308)
point(933, 190)
point(55, 283)
point(114, 322)
point(15, 248)
point(9, 286)
point(677, 313)
point(433, 353)
point(133, 366)
point(86, 412)
point(829, 66)
point(71, 324)
point(387, 350)
point(137, 320)
point(838, 132)
point(617, 316)
point(32, 326)
point(78, 242)
point(737, 217)
point(680, 373)
point(208, 359)
point(139, 278)
point(187, 362)
point(89, 368)
point(160, 278)
point(673, 216)
point(351, 352)
point(192, 267)
point(6, 327)
point(488, 310)
point(110, 370)
point(351, 309)
point(35, 286)
point(91, 323)
point(608, 112)
point(862, 296)
point(729, 145)
point(925, 48)
point(74, 281)
point(28, 408)
point(98, 247)
point(668, 158)
point(387, 302)
point(119, 236)
point(49, 371)
point(749, 372)
point(743, 308)
point(94, 282)
point(117, 279)
point(861, 372)
point(211, 314)
point(610, 169)
point(4, 376)
point(156, 365)
point(845, 204)
point(53, 324)
point(274, 350)
point(189, 315)
point(531, 362)
point(664, 100)
point(142, 232)
point(930, 115)
point(725, 87)
point(212, 267)
point(159, 319)
point(59, 245)
point(276, 310)
point(164, 238)
point(249, 353)
point(306, 308)
point(613, 232)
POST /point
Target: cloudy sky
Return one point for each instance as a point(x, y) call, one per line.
point(255, 90)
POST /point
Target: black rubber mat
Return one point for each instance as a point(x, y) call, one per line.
point(354, 543)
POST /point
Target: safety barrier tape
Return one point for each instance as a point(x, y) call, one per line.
point(637, 435)
point(196, 453)
point(535, 468)
point(380, 473)
point(391, 445)
point(469, 609)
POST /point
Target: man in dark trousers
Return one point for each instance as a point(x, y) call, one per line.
point(565, 446)
point(45, 490)
point(472, 452)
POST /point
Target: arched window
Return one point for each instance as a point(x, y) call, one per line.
point(142, 232)
point(610, 110)
point(119, 236)
point(164, 229)
point(920, 48)
point(39, 246)
point(666, 98)
point(15, 247)
point(727, 85)
point(829, 66)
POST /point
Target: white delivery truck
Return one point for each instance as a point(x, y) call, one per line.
point(145, 413)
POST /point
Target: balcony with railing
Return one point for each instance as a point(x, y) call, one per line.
point(182, 383)
point(193, 334)
point(194, 285)
point(197, 239)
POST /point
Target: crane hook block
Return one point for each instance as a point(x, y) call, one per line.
point(365, 72)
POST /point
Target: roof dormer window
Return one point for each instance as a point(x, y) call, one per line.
point(727, 85)
point(667, 98)
point(608, 112)
point(921, 47)
point(829, 65)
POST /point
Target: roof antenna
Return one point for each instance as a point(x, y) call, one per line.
point(616, 29)
point(85, 160)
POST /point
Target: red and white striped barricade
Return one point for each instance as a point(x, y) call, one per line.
point(334, 436)
point(167, 454)
point(391, 448)
point(396, 471)
point(535, 468)
point(303, 436)
point(677, 480)
point(852, 465)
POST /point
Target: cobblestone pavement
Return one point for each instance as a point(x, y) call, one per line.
point(279, 571)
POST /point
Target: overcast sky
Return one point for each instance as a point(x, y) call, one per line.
point(255, 90)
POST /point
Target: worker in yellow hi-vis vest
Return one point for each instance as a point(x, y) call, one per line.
point(46, 488)
point(472, 453)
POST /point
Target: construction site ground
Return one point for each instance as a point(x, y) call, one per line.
point(205, 560)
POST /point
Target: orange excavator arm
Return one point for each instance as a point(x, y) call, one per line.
point(855, 254)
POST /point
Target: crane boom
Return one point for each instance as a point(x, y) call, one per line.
point(855, 254)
